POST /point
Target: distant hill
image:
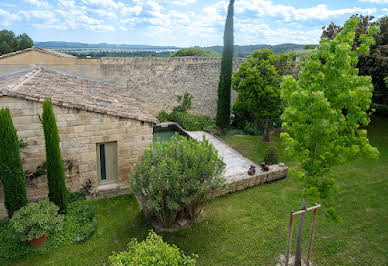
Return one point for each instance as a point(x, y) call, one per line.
point(245, 50)
point(106, 49)
point(55, 45)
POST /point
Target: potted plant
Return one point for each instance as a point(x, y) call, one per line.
point(34, 222)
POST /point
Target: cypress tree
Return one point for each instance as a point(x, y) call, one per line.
point(58, 193)
point(11, 166)
point(224, 85)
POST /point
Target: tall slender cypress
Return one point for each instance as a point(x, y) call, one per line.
point(58, 193)
point(224, 85)
point(11, 166)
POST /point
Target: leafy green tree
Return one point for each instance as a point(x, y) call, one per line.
point(24, 41)
point(224, 85)
point(326, 115)
point(58, 193)
point(10, 43)
point(375, 63)
point(11, 166)
point(195, 51)
point(258, 85)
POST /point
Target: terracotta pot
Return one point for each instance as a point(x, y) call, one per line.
point(38, 242)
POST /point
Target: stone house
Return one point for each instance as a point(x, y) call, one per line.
point(103, 132)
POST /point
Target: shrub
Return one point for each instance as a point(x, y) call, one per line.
point(177, 177)
point(152, 251)
point(11, 167)
point(195, 51)
point(36, 219)
point(192, 122)
point(77, 195)
point(79, 223)
point(252, 128)
point(186, 103)
point(186, 120)
point(271, 155)
point(55, 170)
point(162, 116)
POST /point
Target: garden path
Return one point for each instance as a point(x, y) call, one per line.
point(237, 166)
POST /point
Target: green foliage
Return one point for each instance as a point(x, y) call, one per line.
point(271, 155)
point(10, 43)
point(326, 110)
point(77, 195)
point(375, 63)
point(177, 177)
point(11, 166)
point(163, 116)
point(195, 51)
point(310, 46)
point(79, 223)
point(186, 103)
point(225, 83)
point(151, 251)
point(258, 85)
point(192, 122)
point(55, 170)
point(36, 219)
point(183, 118)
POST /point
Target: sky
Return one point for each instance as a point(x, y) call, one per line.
point(181, 23)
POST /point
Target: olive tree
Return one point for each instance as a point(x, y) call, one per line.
point(326, 115)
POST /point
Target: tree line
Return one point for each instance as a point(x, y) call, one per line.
point(9, 42)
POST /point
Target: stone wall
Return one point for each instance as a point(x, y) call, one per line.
point(155, 82)
point(79, 131)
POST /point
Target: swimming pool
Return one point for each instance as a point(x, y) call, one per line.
point(164, 131)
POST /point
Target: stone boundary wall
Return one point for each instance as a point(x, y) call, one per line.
point(154, 81)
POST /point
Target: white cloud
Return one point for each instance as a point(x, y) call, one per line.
point(266, 8)
point(38, 3)
point(183, 2)
point(253, 33)
point(7, 17)
point(375, 1)
point(104, 13)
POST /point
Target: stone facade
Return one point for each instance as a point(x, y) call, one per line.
point(155, 82)
point(80, 132)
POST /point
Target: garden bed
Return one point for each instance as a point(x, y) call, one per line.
point(79, 224)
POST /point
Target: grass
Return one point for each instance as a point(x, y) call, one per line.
point(250, 227)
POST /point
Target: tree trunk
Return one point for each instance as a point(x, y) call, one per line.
point(266, 130)
point(298, 247)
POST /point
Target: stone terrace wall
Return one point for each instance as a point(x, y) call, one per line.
point(157, 82)
point(79, 132)
point(154, 81)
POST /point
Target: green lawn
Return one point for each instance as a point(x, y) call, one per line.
point(250, 226)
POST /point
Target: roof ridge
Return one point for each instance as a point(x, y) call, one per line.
point(43, 50)
point(81, 77)
point(29, 76)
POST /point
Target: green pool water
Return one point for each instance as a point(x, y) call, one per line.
point(164, 136)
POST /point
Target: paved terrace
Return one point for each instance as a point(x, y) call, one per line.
point(237, 166)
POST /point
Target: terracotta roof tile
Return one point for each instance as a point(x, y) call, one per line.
point(37, 84)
